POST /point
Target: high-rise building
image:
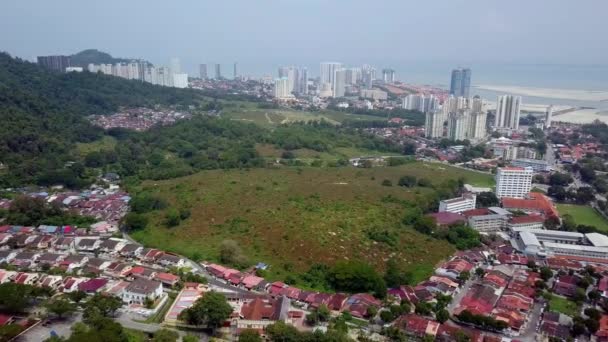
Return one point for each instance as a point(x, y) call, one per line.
point(203, 71)
point(218, 72)
point(180, 80)
point(458, 125)
point(234, 71)
point(433, 126)
point(513, 182)
point(388, 75)
point(339, 87)
point(302, 84)
point(56, 63)
point(460, 84)
point(477, 125)
point(281, 88)
point(420, 103)
point(368, 75)
point(549, 117)
point(507, 112)
point(328, 73)
point(353, 76)
point(175, 65)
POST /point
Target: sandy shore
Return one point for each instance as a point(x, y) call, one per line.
point(567, 94)
point(583, 116)
point(528, 107)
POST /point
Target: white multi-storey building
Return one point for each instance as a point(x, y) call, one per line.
point(420, 103)
point(513, 182)
point(339, 85)
point(328, 73)
point(458, 125)
point(281, 89)
point(458, 204)
point(507, 112)
point(433, 126)
point(180, 80)
point(554, 242)
point(536, 164)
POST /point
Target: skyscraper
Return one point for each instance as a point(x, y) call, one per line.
point(281, 88)
point(203, 71)
point(234, 71)
point(420, 103)
point(433, 126)
point(302, 84)
point(57, 63)
point(218, 72)
point(507, 112)
point(460, 84)
point(388, 75)
point(458, 125)
point(339, 83)
point(328, 73)
point(549, 117)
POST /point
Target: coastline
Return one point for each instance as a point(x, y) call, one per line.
point(549, 93)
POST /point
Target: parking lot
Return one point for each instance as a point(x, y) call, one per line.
point(41, 333)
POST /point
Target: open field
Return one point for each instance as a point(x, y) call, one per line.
point(308, 155)
point(584, 215)
point(107, 143)
point(563, 305)
point(292, 218)
point(273, 117)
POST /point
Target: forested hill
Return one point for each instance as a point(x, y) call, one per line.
point(85, 57)
point(43, 113)
point(43, 116)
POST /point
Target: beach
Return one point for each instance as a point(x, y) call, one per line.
point(583, 116)
point(549, 93)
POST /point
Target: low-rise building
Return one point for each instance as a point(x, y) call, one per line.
point(458, 204)
point(141, 290)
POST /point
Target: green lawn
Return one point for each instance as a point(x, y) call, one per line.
point(584, 215)
point(270, 118)
point(563, 305)
point(107, 143)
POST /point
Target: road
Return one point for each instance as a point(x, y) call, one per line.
point(60, 327)
point(197, 268)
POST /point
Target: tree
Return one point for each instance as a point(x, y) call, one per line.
point(356, 276)
point(409, 149)
point(562, 179)
point(480, 272)
point(192, 338)
point(212, 309)
point(442, 315)
point(424, 183)
point(464, 276)
point(135, 221)
point(423, 308)
point(487, 199)
point(172, 218)
point(282, 332)
point(60, 307)
point(371, 311)
point(101, 305)
point(324, 313)
point(10, 331)
point(592, 325)
point(249, 335)
point(387, 182)
point(76, 296)
point(387, 316)
point(231, 254)
point(165, 335)
point(594, 295)
point(584, 195)
point(394, 276)
point(557, 191)
point(407, 181)
point(546, 273)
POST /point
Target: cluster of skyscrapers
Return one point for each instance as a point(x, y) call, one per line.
point(56, 63)
point(205, 71)
point(421, 103)
point(465, 119)
point(145, 72)
point(334, 80)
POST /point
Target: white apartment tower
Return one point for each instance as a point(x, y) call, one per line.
point(513, 182)
point(507, 112)
point(458, 204)
point(339, 86)
point(458, 125)
point(281, 89)
point(549, 117)
point(433, 126)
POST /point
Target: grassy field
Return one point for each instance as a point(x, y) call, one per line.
point(272, 117)
point(105, 144)
point(563, 305)
point(292, 218)
point(308, 155)
point(584, 215)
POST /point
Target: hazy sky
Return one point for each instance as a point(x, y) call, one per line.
point(266, 33)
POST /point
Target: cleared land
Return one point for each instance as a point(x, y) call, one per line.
point(563, 305)
point(293, 218)
point(273, 117)
point(584, 215)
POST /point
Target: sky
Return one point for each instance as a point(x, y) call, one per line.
point(263, 34)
